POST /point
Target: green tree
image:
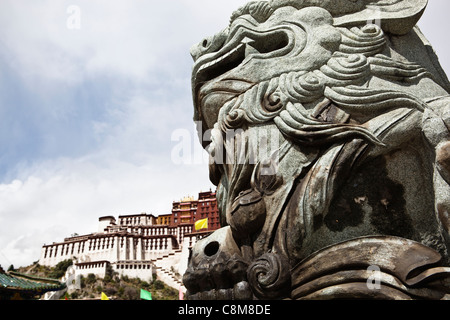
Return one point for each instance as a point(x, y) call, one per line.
point(109, 274)
point(158, 285)
point(131, 293)
point(60, 269)
point(91, 278)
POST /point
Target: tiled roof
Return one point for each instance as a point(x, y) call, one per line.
point(17, 281)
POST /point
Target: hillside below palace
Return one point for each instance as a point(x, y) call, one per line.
point(141, 245)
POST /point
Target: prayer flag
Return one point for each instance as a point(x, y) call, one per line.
point(145, 295)
point(104, 296)
point(201, 224)
point(180, 294)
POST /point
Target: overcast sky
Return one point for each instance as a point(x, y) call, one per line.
point(88, 114)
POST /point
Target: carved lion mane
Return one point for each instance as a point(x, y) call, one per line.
point(332, 105)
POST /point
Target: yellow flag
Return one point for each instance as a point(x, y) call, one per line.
point(104, 296)
point(201, 224)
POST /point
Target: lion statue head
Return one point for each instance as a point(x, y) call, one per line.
point(327, 126)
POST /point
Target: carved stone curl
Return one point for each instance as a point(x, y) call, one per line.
point(269, 276)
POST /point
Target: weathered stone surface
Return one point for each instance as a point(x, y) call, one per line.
point(329, 142)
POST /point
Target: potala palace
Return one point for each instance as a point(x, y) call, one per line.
point(141, 245)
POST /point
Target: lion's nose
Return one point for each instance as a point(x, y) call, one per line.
point(209, 44)
point(216, 269)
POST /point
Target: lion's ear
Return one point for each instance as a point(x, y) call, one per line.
point(395, 16)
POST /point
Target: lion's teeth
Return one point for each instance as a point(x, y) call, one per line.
point(250, 50)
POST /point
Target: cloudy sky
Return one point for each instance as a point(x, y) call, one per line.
point(91, 110)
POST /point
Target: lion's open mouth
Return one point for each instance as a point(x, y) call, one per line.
point(246, 45)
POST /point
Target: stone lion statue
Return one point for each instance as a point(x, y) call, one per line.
point(327, 122)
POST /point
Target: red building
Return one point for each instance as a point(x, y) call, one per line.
point(207, 208)
point(189, 210)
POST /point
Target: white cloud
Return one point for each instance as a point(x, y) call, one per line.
point(64, 196)
point(130, 38)
point(435, 24)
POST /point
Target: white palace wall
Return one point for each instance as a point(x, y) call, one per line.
point(108, 247)
point(136, 247)
point(135, 269)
